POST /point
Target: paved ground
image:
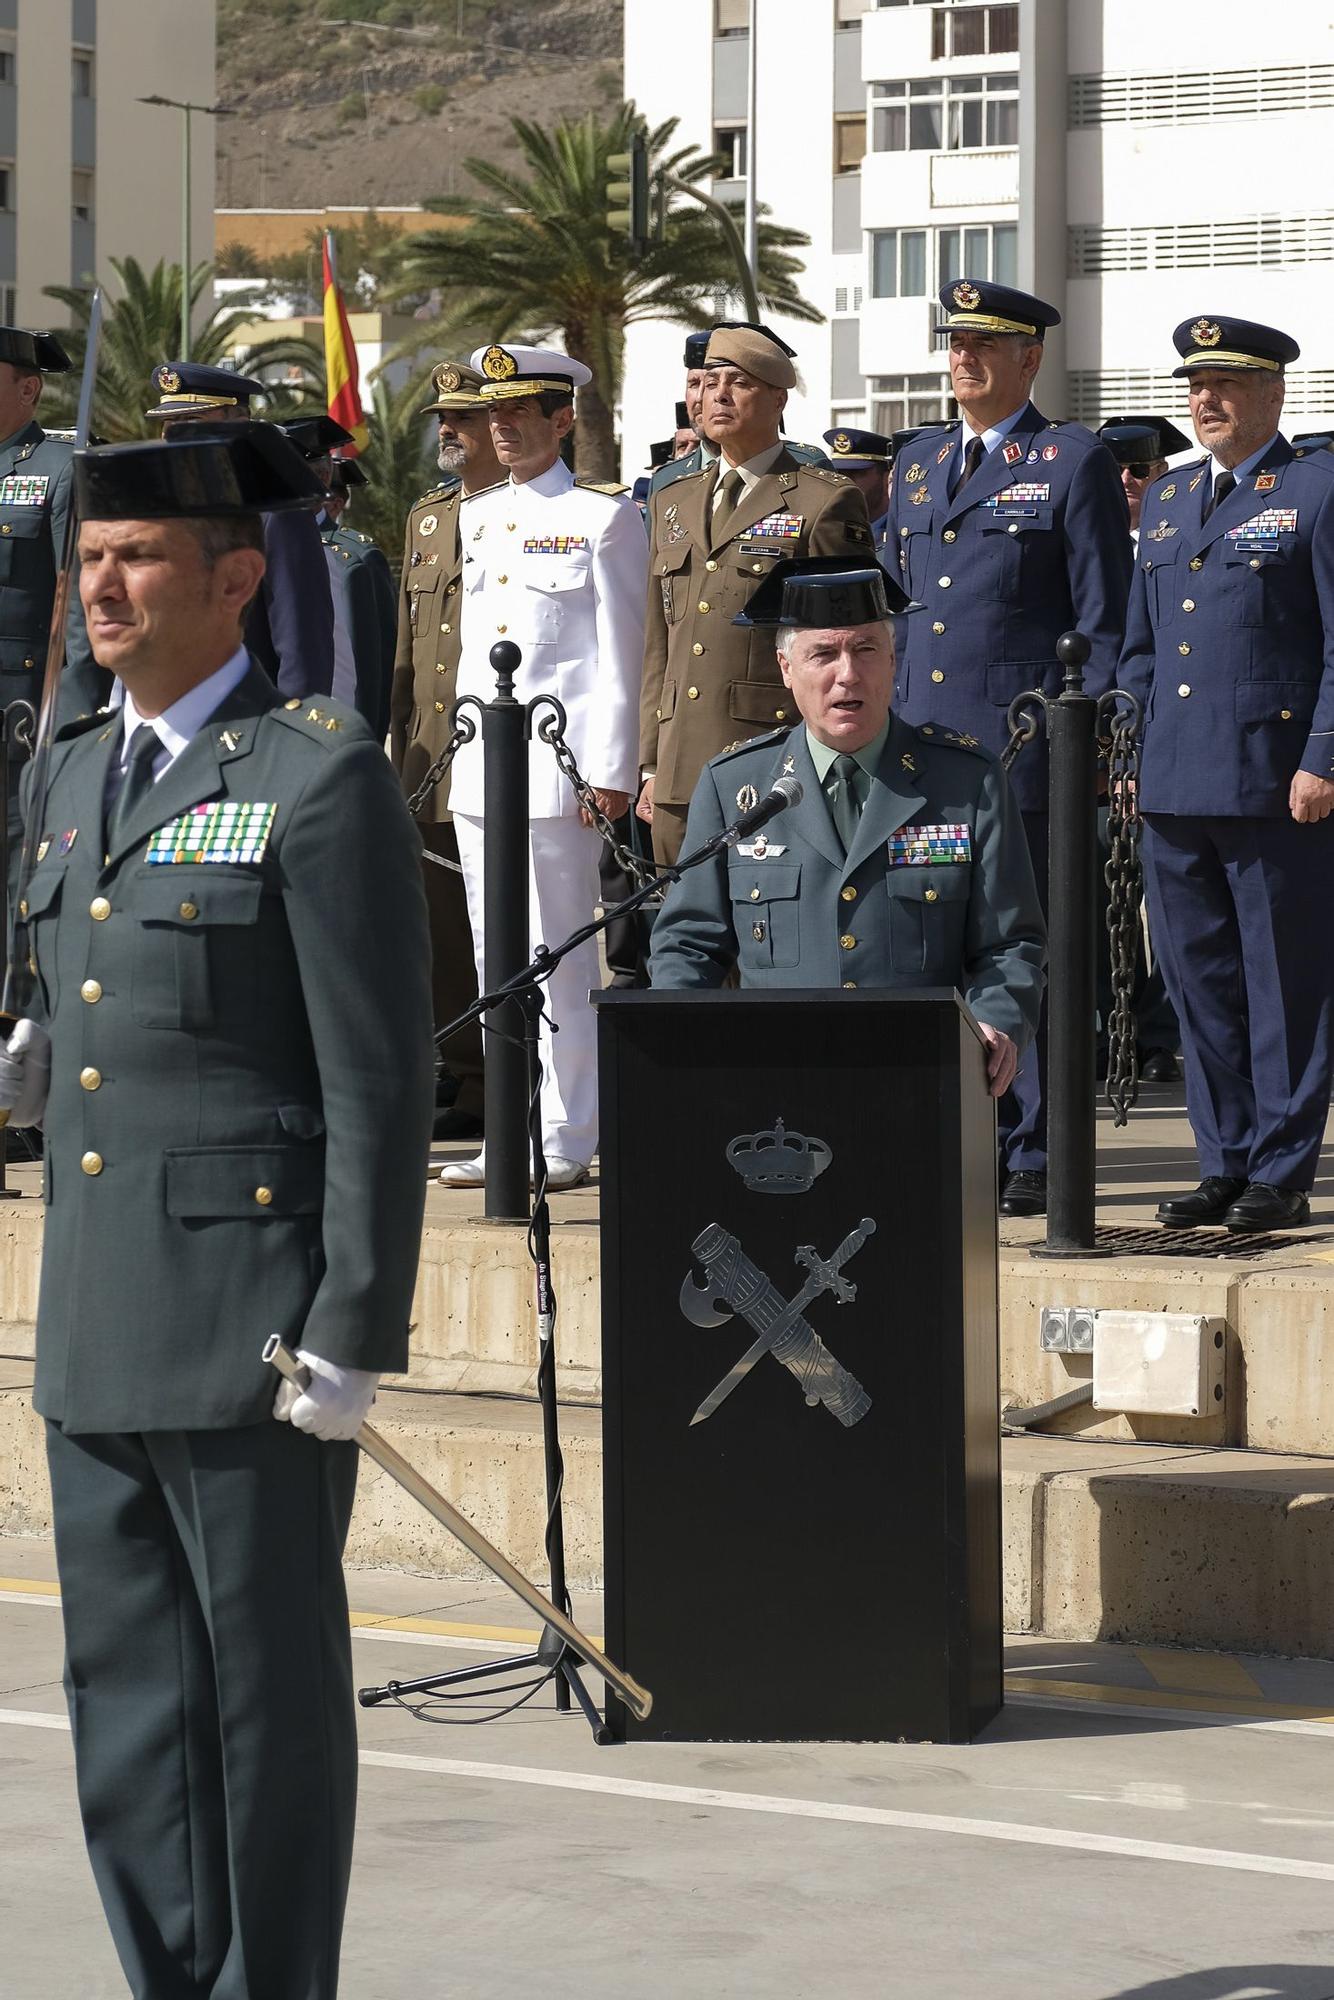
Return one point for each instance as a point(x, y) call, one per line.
point(1136, 1826)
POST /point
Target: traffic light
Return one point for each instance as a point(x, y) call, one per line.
point(628, 194)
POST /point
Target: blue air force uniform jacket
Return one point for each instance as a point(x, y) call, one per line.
point(1230, 637)
point(1036, 544)
point(937, 889)
point(290, 628)
point(241, 1065)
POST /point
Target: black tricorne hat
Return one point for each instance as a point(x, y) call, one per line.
point(314, 435)
point(22, 348)
point(697, 346)
point(817, 593)
point(346, 472)
point(1133, 440)
point(211, 470)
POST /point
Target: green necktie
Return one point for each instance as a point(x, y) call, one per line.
point(137, 782)
point(843, 789)
point(729, 497)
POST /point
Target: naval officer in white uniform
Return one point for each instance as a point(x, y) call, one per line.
point(559, 566)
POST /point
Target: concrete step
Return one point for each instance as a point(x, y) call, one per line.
point(1225, 1550)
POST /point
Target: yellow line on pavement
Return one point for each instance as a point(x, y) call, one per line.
point(1162, 1699)
point(28, 1586)
point(1200, 1673)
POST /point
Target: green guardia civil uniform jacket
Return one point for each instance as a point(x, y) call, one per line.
point(238, 998)
point(35, 475)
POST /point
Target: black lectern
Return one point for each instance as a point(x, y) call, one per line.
point(801, 1457)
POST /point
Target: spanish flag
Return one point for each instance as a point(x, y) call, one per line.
point(340, 359)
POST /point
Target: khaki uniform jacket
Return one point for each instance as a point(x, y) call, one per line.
point(708, 682)
point(240, 1102)
point(426, 658)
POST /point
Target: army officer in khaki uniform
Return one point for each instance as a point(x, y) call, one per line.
point(426, 668)
point(228, 935)
point(713, 537)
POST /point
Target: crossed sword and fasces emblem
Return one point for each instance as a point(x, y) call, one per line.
point(737, 1285)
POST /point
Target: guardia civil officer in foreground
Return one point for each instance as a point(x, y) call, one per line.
point(229, 941)
point(712, 536)
point(290, 626)
point(425, 686)
point(1011, 529)
point(1230, 647)
point(903, 864)
point(34, 504)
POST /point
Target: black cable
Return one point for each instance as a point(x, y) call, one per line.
point(421, 1711)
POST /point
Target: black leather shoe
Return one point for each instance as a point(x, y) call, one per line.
point(1159, 1066)
point(1266, 1207)
point(1210, 1202)
point(1025, 1193)
point(456, 1124)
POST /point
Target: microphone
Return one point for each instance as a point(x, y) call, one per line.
point(786, 792)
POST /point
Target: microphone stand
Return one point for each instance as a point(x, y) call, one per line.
point(553, 1655)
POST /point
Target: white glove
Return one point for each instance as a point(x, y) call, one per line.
point(25, 1073)
point(335, 1403)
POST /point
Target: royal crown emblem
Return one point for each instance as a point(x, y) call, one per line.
point(168, 381)
point(967, 296)
point(1206, 333)
point(842, 442)
point(778, 1161)
point(499, 365)
point(447, 379)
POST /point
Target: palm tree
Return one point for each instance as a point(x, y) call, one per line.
point(536, 257)
point(141, 327)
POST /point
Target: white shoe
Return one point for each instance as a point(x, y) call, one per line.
point(462, 1173)
point(565, 1173)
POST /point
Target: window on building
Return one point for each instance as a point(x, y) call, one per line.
point(849, 143)
point(6, 187)
point(731, 17)
point(902, 402)
point(729, 141)
point(944, 114)
point(9, 307)
point(82, 194)
point(8, 63)
point(985, 250)
point(81, 72)
point(848, 11)
point(975, 31)
point(898, 264)
point(847, 298)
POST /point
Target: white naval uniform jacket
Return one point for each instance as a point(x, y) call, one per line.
point(561, 569)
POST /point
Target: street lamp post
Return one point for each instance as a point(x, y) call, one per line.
point(210, 111)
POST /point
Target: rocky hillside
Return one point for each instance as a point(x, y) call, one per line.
point(345, 102)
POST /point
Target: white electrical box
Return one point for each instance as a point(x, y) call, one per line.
point(1159, 1363)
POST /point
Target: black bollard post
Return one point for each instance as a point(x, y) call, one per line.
point(505, 893)
point(1071, 985)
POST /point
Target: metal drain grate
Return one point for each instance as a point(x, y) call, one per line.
point(1117, 1239)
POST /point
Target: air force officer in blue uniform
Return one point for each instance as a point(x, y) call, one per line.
point(1010, 530)
point(1230, 648)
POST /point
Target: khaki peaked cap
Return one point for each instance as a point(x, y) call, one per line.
point(744, 347)
point(456, 387)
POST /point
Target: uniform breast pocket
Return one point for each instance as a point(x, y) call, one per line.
point(1165, 590)
point(668, 566)
point(1253, 585)
point(41, 908)
point(184, 919)
point(766, 913)
point(927, 909)
point(21, 530)
point(423, 598)
point(1015, 541)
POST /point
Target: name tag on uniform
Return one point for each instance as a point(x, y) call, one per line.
point(777, 527)
point(556, 545)
point(227, 830)
point(23, 489)
point(929, 846)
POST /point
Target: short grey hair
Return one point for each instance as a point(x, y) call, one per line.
point(787, 635)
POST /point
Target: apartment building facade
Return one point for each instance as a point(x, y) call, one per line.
point(1133, 163)
point(87, 171)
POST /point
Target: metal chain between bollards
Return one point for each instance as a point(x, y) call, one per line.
point(551, 731)
point(1125, 881)
point(464, 731)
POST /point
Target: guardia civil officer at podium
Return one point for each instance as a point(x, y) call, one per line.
point(904, 864)
point(229, 941)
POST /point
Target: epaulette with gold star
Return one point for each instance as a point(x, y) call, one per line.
point(601, 486)
point(448, 491)
point(953, 739)
point(765, 742)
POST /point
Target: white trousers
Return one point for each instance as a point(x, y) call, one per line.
point(563, 891)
